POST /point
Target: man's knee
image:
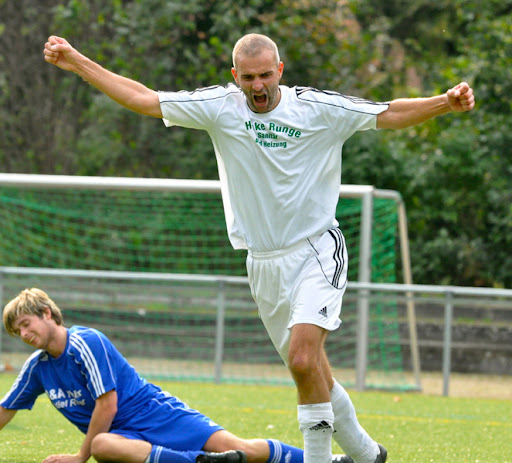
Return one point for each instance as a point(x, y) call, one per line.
point(302, 362)
point(100, 447)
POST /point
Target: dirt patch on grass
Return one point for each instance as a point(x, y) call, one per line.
point(468, 385)
point(432, 383)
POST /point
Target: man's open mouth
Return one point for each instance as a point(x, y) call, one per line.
point(260, 99)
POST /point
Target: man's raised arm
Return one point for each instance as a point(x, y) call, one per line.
point(406, 112)
point(129, 93)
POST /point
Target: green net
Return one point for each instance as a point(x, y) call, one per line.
point(167, 232)
point(153, 232)
point(117, 230)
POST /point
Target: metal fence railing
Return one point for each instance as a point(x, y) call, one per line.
point(445, 300)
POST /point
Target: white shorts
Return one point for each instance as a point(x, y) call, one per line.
point(301, 284)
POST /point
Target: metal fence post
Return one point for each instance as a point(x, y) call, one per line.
point(447, 343)
point(219, 332)
point(363, 300)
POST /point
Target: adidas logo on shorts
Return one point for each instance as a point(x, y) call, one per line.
point(323, 312)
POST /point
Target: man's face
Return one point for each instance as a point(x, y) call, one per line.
point(33, 330)
point(258, 77)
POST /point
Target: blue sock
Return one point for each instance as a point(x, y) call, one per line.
point(161, 454)
point(279, 453)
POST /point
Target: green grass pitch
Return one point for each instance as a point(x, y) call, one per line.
point(415, 428)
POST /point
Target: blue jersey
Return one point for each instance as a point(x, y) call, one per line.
point(89, 367)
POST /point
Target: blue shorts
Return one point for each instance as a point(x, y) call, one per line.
point(171, 423)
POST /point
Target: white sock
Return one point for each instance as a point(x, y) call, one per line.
point(315, 422)
point(348, 433)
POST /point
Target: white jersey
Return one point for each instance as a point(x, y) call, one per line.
point(280, 171)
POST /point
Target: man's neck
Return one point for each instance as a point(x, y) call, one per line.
point(58, 343)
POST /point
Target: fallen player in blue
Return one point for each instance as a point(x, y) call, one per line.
point(124, 418)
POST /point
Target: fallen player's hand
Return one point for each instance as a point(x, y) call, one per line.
point(63, 458)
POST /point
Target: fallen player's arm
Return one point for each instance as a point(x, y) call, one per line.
point(101, 420)
point(6, 415)
point(104, 412)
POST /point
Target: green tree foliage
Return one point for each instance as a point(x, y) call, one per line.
point(168, 45)
point(454, 172)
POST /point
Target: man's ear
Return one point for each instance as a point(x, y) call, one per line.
point(280, 68)
point(47, 313)
point(234, 74)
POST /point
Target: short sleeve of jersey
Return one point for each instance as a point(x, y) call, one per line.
point(95, 356)
point(345, 114)
point(27, 386)
point(197, 109)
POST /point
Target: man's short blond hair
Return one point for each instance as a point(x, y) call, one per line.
point(29, 302)
point(252, 45)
